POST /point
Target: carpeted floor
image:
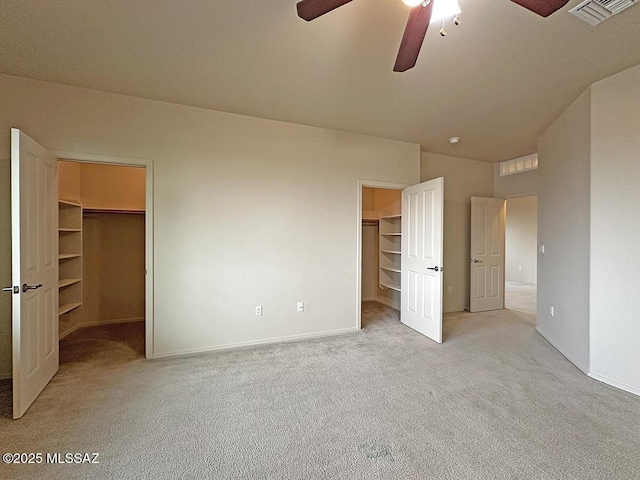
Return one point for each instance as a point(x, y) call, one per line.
point(495, 401)
point(520, 296)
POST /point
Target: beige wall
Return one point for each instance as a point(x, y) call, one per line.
point(590, 225)
point(369, 276)
point(563, 227)
point(236, 213)
point(615, 230)
point(387, 202)
point(521, 250)
point(369, 203)
point(463, 179)
point(113, 282)
point(369, 261)
point(98, 186)
point(69, 181)
point(112, 187)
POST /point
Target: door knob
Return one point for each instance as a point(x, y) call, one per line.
point(473, 260)
point(26, 287)
point(437, 269)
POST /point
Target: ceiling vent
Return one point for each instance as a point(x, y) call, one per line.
point(597, 11)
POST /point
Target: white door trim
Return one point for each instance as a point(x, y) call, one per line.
point(132, 162)
point(361, 184)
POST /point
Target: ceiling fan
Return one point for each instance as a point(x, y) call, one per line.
point(418, 23)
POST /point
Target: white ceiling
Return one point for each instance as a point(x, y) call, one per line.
point(497, 81)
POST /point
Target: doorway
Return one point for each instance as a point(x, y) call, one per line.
point(132, 209)
point(102, 241)
point(521, 254)
point(380, 246)
point(376, 303)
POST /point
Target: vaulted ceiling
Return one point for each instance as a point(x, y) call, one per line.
point(497, 80)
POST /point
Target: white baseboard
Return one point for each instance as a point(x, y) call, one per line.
point(226, 346)
point(581, 367)
point(615, 383)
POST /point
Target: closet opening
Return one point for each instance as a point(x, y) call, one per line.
point(381, 244)
point(521, 254)
point(103, 232)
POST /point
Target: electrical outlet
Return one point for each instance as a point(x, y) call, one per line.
point(520, 269)
point(301, 306)
point(450, 289)
point(259, 311)
point(551, 311)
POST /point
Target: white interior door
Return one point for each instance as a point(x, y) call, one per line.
point(34, 225)
point(487, 254)
point(421, 259)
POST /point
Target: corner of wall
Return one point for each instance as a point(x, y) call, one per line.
point(564, 228)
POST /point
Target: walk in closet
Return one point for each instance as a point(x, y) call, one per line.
point(381, 245)
point(101, 227)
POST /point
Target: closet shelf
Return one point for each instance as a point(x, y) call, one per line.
point(389, 269)
point(392, 286)
point(67, 307)
point(113, 210)
point(389, 266)
point(68, 281)
point(69, 256)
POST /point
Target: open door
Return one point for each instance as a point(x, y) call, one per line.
point(421, 259)
point(34, 226)
point(487, 254)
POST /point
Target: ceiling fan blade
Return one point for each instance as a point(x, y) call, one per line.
point(310, 9)
point(542, 7)
point(413, 37)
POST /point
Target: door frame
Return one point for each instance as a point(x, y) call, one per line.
point(148, 220)
point(514, 197)
point(361, 185)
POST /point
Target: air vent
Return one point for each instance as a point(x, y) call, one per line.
point(597, 11)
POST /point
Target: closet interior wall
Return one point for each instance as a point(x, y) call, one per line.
point(376, 202)
point(113, 242)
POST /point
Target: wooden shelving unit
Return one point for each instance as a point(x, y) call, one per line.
point(390, 243)
point(69, 256)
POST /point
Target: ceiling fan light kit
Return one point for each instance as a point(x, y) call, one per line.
point(422, 13)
